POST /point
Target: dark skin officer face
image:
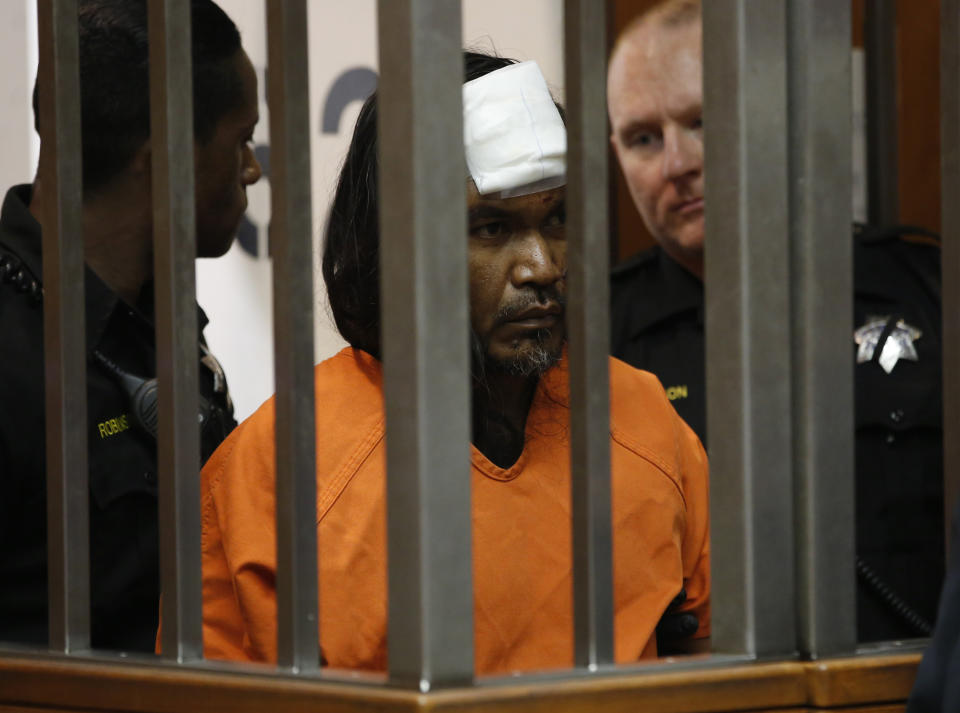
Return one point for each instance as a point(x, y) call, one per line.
point(225, 166)
point(517, 258)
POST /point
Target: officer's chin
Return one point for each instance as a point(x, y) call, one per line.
point(218, 247)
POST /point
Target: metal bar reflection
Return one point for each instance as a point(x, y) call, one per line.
point(174, 250)
point(821, 198)
point(68, 531)
point(423, 268)
point(748, 325)
point(291, 248)
point(589, 332)
point(950, 246)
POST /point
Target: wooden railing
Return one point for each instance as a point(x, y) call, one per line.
point(862, 684)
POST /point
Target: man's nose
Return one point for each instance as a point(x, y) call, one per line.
point(251, 171)
point(539, 261)
point(682, 152)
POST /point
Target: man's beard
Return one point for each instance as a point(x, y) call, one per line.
point(534, 356)
point(532, 359)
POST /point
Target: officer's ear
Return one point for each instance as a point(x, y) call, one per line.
point(141, 165)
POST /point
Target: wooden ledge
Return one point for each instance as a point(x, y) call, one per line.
point(861, 680)
point(66, 685)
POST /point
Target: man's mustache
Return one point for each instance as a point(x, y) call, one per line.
point(544, 297)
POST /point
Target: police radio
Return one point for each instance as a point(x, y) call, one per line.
point(143, 396)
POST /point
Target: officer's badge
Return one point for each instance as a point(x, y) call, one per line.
point(898, 338)
point(219, 377)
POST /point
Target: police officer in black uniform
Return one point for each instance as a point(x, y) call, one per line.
point(120, 353)
point(657, 317)
point(657, 325)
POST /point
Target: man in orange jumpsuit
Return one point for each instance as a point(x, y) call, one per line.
point(520, 443)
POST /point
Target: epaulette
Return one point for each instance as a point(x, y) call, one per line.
point(635, 262)
point(16, 274)
point(872, 234)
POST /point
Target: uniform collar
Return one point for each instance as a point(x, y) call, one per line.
point(663, 291)
point(20, 232)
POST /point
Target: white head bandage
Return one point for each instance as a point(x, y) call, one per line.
point(514, 138)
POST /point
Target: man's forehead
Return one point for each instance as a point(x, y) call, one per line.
point(548, 197)
point(247, 113)
point(656, 67)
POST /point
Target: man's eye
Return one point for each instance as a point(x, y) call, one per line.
point(697, 123)
point(643, 139)
point(492, 229)
point(556, 220)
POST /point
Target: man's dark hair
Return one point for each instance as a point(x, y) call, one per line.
point(351, 256)
point(115, 86)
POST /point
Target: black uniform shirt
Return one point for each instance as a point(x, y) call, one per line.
point(122, 456)
point(937, 687)
point(657, 325)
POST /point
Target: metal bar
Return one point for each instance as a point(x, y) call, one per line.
point(883, 190)
point(423, 269)
point(174, 248)
point(291, 243)
point(589, 332)
point(820, 119)
point(950, 247)
point(68, 530)
point(748, 325)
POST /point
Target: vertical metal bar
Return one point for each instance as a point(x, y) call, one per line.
point(883, 190)
point(68, 530)
point(423, 273)
point(748, 325)
point(589, 294)
point(174, 248)
point(950, 257)
point(820, 118)
point(291, 229)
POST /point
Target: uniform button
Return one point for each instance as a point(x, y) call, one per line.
point(896, 415)
point(149, 477)
point(890, 439)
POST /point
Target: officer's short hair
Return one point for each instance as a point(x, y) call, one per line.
point(115, 88)
point(665, 14)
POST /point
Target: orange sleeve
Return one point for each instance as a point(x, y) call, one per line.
point(696, 539)
point(222, 622)
point(223, 626)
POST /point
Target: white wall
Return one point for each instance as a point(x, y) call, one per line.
point(235, 290)
point(18, 51)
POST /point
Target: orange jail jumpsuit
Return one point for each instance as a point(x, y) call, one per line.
point(521, 527)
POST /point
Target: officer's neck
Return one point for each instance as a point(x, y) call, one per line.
point(117, 234)
point(692, 263)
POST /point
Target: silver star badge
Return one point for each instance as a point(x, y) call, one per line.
point(898, 344)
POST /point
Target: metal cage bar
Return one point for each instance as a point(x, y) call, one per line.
point(423, 266)
point(589, 332)
point(883, 159)
point(821, 170)
point(64, 332)
point(748, 326)
point(174, 249)
point(950, 246)
point(291, 243)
